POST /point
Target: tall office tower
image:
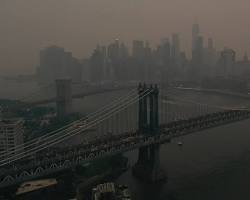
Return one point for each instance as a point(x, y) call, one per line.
point(198, 53)
point(227, 62)
point(175, 53)
point(148, 63)
point(85, 70)
point(113, 50)
point(183, 58)
point(165, 51)
point(123, 52)
point(243, 67)
point(245, 57)
point(11, 135)
point(138, 50)
point(117, 43)
point(210, 53)
point(210, 43)
point(114, 59)
point(105, 66)
point(200, 49)
point(56, 63)
point(75, 70)
point(64, 97)
point(197, 69)
point(97, 65)
point(195, 35)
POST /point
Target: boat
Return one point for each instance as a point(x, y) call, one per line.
point(31, 186)
point(180, 143)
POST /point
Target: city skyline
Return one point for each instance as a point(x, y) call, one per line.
point(114, 99)
point(68, 25)
point(171, 39)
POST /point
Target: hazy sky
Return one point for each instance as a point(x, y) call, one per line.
point(26, 26)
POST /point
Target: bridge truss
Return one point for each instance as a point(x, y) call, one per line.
point(113, 129)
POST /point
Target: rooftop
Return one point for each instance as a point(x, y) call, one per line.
point(35, 185)
point(12, 121)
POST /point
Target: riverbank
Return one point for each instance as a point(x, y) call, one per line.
point(216, 92)
point(101, 171)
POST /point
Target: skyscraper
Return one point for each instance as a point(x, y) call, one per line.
point(197, 68)
point(64, 97)
point(200, 49)
point(227, 62)
point(113, 50)
point(165, 52)
point(138, 49)
point(175, 53)
point(56, 63)
point(123, 52)
point(210, 43)
point(97, 65)
point(210, 53)
point(195, 35)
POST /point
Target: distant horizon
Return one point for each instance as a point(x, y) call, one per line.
point(129, 45)
point(78, 26)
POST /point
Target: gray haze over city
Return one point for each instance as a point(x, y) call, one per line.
point(130, 99)
point(26, 26)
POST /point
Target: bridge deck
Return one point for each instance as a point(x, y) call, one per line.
point(55, 160)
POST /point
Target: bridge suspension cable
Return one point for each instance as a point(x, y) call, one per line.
point(61, 130)
point(70, 134)
point(173, 108)
point(121, 107)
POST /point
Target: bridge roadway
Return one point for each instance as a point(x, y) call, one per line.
point(55, 160)
point(85, 94)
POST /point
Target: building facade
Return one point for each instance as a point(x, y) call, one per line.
point(57, 63)
point(11, 134)
point(227, 62)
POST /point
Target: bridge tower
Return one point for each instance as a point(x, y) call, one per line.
point(148, 164)
point(64, 97)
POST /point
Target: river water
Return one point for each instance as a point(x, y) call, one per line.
point(211, 164)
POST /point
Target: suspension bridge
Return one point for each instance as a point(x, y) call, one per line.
point(143, 119)
point(45, 94)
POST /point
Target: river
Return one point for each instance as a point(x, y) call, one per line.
point(212, 164)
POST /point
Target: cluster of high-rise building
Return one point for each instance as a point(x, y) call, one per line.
point(203, 56)
point(11, 135)
point(166, 62)
point(56, 63)
point(114, 62)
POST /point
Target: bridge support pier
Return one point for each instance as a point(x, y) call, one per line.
point(157, 173)
point(147, 167)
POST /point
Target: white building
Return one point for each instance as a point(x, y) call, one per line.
point(227, 62)
point(110, 191)
point(11, 134)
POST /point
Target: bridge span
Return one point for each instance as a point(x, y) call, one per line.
point(43, 156)
point(88, 92)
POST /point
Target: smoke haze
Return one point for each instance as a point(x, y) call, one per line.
point(26, 26)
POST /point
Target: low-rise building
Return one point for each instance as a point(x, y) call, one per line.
point(110, 191)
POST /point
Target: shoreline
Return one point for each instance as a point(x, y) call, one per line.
point(214, 91)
